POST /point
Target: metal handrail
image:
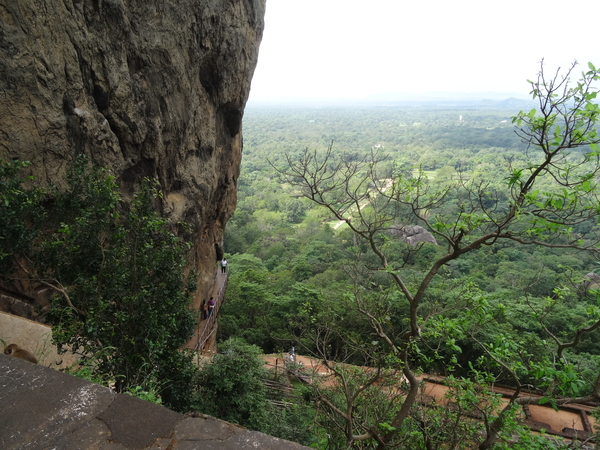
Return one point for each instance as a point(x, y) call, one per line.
point(209, 324)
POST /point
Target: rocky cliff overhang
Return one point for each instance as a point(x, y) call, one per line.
point(147, 88)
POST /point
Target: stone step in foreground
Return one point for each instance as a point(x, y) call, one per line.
point(44, 408)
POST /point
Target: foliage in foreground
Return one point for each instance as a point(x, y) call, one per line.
point(231, 388)
point(120, 299)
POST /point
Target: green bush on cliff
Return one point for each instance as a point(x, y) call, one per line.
point(20, 214)
point(120, 298)
point(231, 387)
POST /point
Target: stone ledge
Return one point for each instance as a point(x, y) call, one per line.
point(43, 408)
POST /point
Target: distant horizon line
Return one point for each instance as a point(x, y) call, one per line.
point(396, 97)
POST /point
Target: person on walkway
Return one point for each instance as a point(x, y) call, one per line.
point(211, 307)
point(204, 310)
point(223, 265)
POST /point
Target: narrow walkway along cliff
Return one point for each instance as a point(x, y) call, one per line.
point(204, 338)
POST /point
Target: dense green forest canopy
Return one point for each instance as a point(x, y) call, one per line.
point(300, 276)
point(434, 136)
point(288, 257)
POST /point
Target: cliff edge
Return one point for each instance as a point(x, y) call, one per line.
point(147, 88)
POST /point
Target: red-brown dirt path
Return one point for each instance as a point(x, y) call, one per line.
point(572, 416)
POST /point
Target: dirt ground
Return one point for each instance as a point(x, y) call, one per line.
point(556, 420)
point(312, 364)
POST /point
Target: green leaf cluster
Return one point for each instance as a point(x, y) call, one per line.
point(231, 387)
point(119, 297)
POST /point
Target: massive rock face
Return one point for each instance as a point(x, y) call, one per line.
point(148, 88)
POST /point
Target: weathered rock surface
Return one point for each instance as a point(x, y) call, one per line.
point(149, 88)
point(43, 408)
point(412, 234)
point(34, 337)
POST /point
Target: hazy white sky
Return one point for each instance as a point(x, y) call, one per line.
point(352, 48)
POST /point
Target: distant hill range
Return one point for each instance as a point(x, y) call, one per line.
point(436, 100)
point(445, 97)
point(453, 100)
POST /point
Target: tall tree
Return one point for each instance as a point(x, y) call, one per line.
point(550, 199)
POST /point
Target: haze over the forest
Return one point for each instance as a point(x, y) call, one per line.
point(346, 49)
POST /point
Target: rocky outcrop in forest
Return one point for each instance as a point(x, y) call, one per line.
point(147, 88)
